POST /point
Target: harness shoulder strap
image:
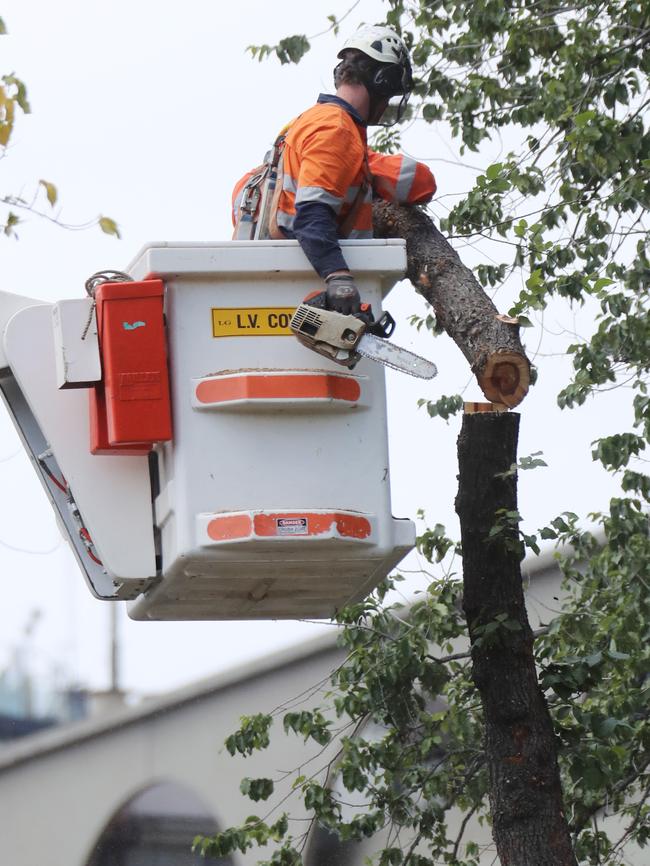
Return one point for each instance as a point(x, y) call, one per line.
point(274, 230)
point(269, 190)
point(271, 227)
point(348, 223)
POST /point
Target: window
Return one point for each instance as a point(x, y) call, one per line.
point(156, 828)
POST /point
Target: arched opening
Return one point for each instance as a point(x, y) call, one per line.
point(155, 828)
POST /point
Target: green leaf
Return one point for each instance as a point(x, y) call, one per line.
point(50, 191)
point(532, 461)
point(584, 118)
point(334, 24)
point(18, 92)
point(592, 775)
point(534, 281)
point(6, 117)
point(432, 112)
point(10, 223)
point(256, 789)
point(615, 654)
point(310, 724)
point(444, 407)
point(594, 659)
point(292, 49)
point(616, 451)
point(434, 543)
point(606, 727)
point(109, 226)
point(253, 734)
point(391, 857)
point(531, 542)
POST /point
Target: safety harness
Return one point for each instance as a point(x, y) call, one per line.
point(257, 215)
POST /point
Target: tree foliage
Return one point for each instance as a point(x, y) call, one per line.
point(569, 83)
point(13, 103)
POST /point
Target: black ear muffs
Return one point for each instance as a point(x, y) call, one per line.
point(388, 80)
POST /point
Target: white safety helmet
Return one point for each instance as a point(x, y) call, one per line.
point(392, 80)
point(380, 43)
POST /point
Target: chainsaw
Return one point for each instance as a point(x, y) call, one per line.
point(344, 339)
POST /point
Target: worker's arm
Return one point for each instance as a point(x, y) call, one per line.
point(315, 229)
point(401, 179)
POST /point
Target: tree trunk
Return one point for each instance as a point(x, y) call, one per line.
point(529, 826)
point(490, 343)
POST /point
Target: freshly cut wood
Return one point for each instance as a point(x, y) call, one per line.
point(473, 408)
point(488, 340)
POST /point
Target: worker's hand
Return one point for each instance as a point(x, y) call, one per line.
point(342, 294)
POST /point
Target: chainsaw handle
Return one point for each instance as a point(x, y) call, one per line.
point(316, 299)
point(384, 326)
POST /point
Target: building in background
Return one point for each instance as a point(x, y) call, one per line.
point(132, 786)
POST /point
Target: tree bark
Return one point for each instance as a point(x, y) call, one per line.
point(490, 343)
point(529, 825)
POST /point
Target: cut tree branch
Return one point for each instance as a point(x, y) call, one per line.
point(489, 342)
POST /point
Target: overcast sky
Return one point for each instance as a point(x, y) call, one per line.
point(148, 112)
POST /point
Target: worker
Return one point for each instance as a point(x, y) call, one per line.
point(328, 176)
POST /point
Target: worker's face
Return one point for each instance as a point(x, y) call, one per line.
point(390, 111)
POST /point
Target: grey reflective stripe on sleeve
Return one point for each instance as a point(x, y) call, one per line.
point(359, 235)
point(237, 203)
point(285, 220)
point(405, 179)
point(317, 193)
point(289, 184)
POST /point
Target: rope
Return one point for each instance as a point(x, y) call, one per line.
point(97, 279)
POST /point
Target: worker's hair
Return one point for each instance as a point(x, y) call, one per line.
point(355, 68)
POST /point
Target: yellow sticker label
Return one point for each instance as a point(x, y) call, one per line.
point(251, 321)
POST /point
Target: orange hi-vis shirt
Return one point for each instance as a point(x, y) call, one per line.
point(326, 160)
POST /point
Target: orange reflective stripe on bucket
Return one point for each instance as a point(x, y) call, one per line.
point(230, 527)
point(293, 386)
point(347, 525)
